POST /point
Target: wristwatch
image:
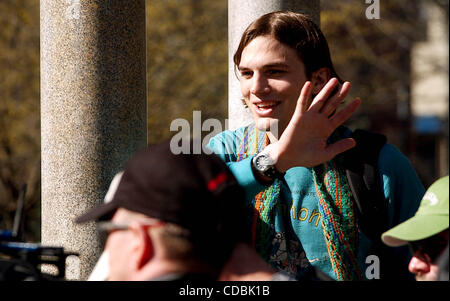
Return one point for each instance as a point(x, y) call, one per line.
point(264, 164)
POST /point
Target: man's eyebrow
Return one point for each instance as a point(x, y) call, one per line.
point(271, 65)
point(276, 65)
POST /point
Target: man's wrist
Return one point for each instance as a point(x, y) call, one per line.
point(273, 151)
point(263, 166)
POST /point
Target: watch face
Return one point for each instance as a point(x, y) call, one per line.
point(262, 162)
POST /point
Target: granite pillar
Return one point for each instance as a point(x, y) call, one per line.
point(240, 14)
point(93, 113)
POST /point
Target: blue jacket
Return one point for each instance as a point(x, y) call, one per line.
point(299, 242)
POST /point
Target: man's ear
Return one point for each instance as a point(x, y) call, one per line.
point(143, 250)
point(319, 79)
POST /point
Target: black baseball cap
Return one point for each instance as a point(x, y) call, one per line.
point(195, 191)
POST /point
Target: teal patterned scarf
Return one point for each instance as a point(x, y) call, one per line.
point(264, 204)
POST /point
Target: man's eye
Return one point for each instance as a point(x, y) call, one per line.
point(246, 73)
point(275, 71)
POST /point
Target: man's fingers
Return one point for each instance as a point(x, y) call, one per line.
point(323, 95)
point(302, 103)
point(332, 104)
point(305, 94)
point(340, 147)
point(341, 116)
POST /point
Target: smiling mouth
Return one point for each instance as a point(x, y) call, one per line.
point(265, 108)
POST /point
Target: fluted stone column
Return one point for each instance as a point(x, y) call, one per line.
point(93, 112)
point(240, 14)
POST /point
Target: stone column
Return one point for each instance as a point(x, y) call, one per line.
point(93, 113)
point(240, 14)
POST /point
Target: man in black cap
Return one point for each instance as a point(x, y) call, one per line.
point(174, 217)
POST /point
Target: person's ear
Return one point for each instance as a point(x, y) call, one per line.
point(143, 250)
point(319, 79)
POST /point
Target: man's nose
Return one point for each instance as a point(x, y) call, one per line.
point(418, 265)
point(260, 85)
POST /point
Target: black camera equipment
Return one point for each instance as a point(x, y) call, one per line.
point(21, 261)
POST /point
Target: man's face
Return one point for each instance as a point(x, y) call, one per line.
point(272, 76)
point(423, 268)
point(425, 254)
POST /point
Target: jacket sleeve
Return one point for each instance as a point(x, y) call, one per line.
point(402, 186)
point(224, 145)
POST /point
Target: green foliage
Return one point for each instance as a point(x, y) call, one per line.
point(187, 62)
point(19, 112)
point(375, 56)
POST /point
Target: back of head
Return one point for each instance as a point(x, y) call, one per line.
point(211, 216)
point(196, 195)
point(297, 31)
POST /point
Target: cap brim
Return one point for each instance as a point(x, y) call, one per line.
point(101, 212)
point(415, 228)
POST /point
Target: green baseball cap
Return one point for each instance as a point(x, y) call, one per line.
point(430, 219)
